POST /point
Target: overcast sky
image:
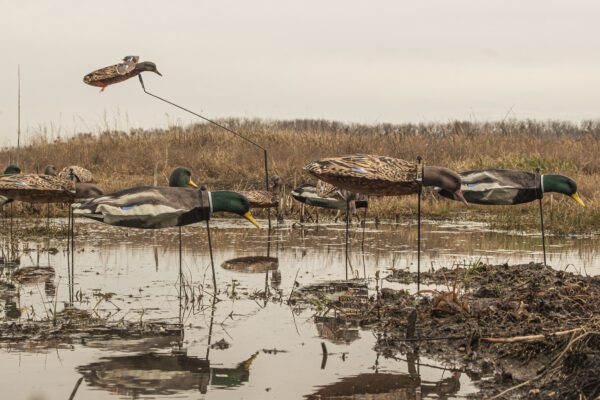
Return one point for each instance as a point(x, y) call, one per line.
point(367, 61)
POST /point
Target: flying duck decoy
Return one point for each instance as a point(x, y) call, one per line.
point(509, 187)
point(383, 176)
point(129, 68)
point(150, 207)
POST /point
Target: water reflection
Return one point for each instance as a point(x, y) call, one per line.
point(161, 374)
point(136, 271)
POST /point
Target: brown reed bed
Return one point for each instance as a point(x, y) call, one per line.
point(217, 158)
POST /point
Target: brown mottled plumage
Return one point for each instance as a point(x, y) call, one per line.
point(76, 173)
point(368, 174)
point(119, 72)
point(261, 198)
point(33, 188)
point(383, 176)
point(264, 198)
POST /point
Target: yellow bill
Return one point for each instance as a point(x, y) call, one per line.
point(250, 218)
point(192, 184)
point(576, 197)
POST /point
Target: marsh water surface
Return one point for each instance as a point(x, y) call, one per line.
point(242, 346)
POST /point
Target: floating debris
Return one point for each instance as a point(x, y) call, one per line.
point(251, 264)
point(31, 275)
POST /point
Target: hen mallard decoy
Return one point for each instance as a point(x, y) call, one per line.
point(35, 188)
point(333, 199)
point(129, 68)
point(72, 172)
point(383, 176)
point(264, 198)
point(155, 207)
point(508, 187)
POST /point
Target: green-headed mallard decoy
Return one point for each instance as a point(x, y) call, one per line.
point(10, 169)
point(155, 207)
point(382, 176)
point(181, 177)
point(509, 187)
point(129, 68)
point(329, 197)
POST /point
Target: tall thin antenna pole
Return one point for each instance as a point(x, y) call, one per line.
point(18, 112)
point(419, 166)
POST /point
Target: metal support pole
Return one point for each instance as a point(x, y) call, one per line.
point(180, 287)
point(537, 170)
point(420, 166)
point(212, 261)
point(347, 230)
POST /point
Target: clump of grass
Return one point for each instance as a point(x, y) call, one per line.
point(220, 160)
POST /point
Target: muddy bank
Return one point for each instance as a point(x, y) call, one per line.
point(520, 330)
point(72, 326)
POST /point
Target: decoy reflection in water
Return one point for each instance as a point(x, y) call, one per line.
point(129, 68)
point(157, 374)
point(509, 187)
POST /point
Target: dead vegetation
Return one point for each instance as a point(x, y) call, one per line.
point(140, 157)
point(517, 330)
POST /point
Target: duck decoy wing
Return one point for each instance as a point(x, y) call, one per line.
point(33, 188)
point(368, 174)
point(128, 65)
point(498, 187)
point(76, 173)
point(261, 198)
point(147, 207)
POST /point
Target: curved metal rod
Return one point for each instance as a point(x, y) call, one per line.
point(222, 127)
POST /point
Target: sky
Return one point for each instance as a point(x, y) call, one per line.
point(355, 61)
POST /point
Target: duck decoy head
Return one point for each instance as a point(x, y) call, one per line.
point(12, 169)
point(147, 66)
point(50, 170)
point(181, 177)
point(232, 202)
point(275, 184)
point(444, 178)
point(561, 184)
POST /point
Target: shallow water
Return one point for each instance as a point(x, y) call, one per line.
point(273, 351)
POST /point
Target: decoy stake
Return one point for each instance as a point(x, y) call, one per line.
point(540, 197)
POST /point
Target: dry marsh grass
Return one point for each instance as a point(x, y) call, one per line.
point(219, 159)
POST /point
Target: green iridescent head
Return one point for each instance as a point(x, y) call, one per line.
point(232, 202)
point(12, 169)
point(181, 177)
point(561, 184)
